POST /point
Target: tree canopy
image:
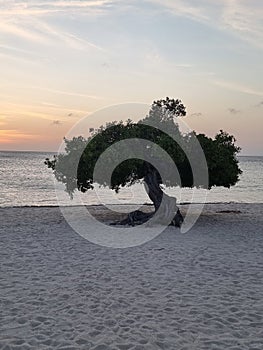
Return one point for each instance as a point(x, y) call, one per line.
point(75, 167)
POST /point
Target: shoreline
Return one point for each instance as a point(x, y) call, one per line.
point(108, 214)
point(130, 204)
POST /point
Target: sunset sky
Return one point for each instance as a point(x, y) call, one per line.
point(63, 60)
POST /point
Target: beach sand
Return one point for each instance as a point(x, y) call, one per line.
point(198, 290)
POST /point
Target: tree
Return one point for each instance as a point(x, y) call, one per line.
point(159, 130)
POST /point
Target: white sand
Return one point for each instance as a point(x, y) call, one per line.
point(200, 290)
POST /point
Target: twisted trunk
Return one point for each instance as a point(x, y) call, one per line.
point(165, 212)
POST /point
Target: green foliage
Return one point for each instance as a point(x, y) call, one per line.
point(221, 159)
point(75, 167)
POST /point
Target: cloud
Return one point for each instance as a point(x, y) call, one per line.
point(21, 31)
point(184, 65)
point(260, 104)
point(43, 111)
point(238, 87)
point(53, 106)
point(19, 59)
point(30, 21)
point(37, 30)
point(105, 65)
point(56, 122)
point(68, 93)
point(233, 110)
point(77, 115)
point(183, 8)
point(48, 104)
point(56, 34)
point(244, 18)
point(196, 114)
point(18, 50)
point(11, 8)
point(11, 135)
point(239, 17)
point(61, 5)
point(2, 120)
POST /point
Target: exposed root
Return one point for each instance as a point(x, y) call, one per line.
point(138, 217)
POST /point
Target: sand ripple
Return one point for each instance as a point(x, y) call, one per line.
point(201, 290)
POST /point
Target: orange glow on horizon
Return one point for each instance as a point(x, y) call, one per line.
point(9, 136)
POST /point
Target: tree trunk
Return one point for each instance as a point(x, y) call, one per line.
point(165, 212)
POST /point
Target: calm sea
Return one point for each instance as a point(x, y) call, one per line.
point(26, 181)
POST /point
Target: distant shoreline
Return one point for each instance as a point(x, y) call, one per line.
point(55, 152)
point(126, 204)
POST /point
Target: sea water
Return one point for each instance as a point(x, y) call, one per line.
point(26, 181)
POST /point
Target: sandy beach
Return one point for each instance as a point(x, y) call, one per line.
point(198, 290)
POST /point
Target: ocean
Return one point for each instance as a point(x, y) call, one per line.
point(26, 181)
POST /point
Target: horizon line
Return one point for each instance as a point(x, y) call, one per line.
point(46, 151)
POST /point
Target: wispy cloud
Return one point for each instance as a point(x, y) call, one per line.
point(244, 18)
point(30, 21)
point(39, 31)
point(20, 59)
point(239, 17)
point(74, 112)
point(260, 104)
point(2, 120)
point(183, 8)
point(196, 114)
point(233, 110)
point(56, 122)
point(68, 93)
point(44, 110)
point(52, 105)
point(29, 8)
point(184, 65)
point(238, 87)
point(9, 26)
point(17, 50)
point(11, 135)
point(11, 110)
point(54, 34)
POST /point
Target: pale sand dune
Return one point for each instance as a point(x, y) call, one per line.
point(199, 290)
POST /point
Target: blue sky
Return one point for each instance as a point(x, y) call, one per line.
point(63, 60)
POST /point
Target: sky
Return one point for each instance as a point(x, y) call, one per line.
point(61, 61)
